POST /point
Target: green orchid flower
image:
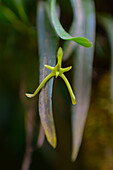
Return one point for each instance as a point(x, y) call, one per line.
point(56, 71)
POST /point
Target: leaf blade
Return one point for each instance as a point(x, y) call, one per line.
point(107, 22)
point(76, 27)
point(47, 50)
point(82, 79)
point(62, 33)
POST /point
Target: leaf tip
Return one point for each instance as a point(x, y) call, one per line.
point(54, 145)
point(82, 41)
point(73, 158)
point(74, 155)
point(52, 141)
point(90, 44)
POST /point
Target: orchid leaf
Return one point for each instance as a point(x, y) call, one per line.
point(62, 33)
point(75, 29)
point(47, 50)
point(11, 17)
point(107, 22)
point(82, 79)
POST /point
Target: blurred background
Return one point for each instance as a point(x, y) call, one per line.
point(19, 117)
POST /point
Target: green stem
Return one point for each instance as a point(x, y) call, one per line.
point(40, 86)
point(69, 88)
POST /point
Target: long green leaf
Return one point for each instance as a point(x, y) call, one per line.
point(107, 22)
point(82, 79)
point(62, 33)
point(76, 27)
point(47, 50)
point(11, 17)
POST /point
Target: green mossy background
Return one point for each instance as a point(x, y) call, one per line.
point(19, 70)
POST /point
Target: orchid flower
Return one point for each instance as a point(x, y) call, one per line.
point(56, 71)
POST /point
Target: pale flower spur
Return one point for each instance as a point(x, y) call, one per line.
point(56, 71)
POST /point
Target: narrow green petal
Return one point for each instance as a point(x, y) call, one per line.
point(69, 88)
point(66, 69)
point(40, 86)
point(49, 67)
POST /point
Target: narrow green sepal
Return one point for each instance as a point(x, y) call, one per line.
point(59, 56)
point(73, 100)
point(49, 67)
point(69, 88)
point(40, 86)
point(66, 69)
point(29, 95)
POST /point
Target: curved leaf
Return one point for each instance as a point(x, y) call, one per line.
point(82, 79)
point(47, 50)
point(62, 33)
point(76, 27)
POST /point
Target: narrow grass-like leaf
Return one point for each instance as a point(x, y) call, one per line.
point(21, 11)
point(47, 50)
point(107, 22)
point(11, 17)
point(82, 79)
point(62, 33)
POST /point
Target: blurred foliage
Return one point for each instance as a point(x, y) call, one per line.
point(19, 70)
